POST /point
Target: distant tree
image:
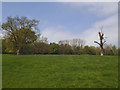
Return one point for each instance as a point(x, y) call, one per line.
point(107, 49)
point(110, 50)
point(86, 50)
point(3, 47)
point(78, 42)
point(20, 31)
point(97, 50)
point(77, 50)
point(114, 50)
point(102, 41)
point(67, 49)
point(1, 50)
point(41, 48)
point(119, 51)
point(74, 42)
point(92, 50)
point(61, 48)
point(41, 39)
point(89, 50)
point(64, 42)
point(54, 48)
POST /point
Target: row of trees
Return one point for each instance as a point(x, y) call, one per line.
point(22, 37)
point(41, 47)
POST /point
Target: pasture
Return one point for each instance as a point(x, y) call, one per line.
point(59, 71)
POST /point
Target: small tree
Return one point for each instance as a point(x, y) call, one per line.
point(102, 41)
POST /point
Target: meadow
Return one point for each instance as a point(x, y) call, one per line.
point(59, 71)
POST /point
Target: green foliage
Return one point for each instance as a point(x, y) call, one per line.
point(97, 50)
point(77, 50)
point(59, 71)
point(41, 48)
point(118, 51)
point(54, 48)
point(65, 49)
point(20, 31)
point(1, 47)
point(7, 46)
point(110, 50)
point(114, 50)
point(87, 50)
point(27, 49)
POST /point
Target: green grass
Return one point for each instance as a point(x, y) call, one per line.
point(59, 71)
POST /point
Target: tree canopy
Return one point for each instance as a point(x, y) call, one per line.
point(20, 32)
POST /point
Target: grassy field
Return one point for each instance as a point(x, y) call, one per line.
point(59, 71)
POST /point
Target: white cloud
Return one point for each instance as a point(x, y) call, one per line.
point(110, 29)
point(104, 9)
point(96, 8)
point(55, 34)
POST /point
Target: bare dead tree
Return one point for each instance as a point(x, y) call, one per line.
point(102, 41)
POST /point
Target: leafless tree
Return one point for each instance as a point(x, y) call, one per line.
point(73, 42)
point(78, 42)
point(102, 41)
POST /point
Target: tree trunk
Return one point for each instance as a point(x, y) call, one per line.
point(101, 51)
point(18, 52)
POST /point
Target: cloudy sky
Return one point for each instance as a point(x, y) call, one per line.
point(68, 20)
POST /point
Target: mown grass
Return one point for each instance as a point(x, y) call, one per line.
point(59, 71)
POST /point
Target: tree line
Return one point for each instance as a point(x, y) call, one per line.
point(41, 47)
point(22, 37)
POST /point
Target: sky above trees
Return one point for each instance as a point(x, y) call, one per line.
point(67, 20)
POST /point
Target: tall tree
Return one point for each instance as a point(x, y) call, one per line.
point(20, 31)
point(102, 41)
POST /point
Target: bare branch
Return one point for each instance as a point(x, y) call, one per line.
point(97, 42)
